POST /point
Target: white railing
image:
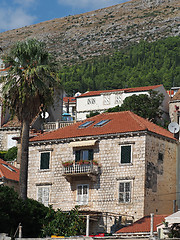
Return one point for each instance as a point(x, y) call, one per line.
point(50, 126)
point(84, 168)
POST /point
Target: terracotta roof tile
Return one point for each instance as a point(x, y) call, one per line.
point(127, 90)
point(120, 122)
point(71, 99)
point(143, 225)
point(12, 123)
point(8, 171)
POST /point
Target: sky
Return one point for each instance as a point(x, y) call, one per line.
point(19, 13)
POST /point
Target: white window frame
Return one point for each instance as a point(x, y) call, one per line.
point(124, 192)
point(124, 145)
point(106, 99)
point(43, 199)
point(118, 99)
point(46, 169)
point(82, 199)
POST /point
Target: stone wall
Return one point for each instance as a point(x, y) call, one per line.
point(160, 176)
point(103, 193)
point(5, 137)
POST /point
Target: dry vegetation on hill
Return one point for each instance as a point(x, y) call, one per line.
point(83, 36)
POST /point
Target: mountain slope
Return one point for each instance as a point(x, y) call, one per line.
point(84, 36)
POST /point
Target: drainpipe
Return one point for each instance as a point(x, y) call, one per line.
point(87, 225)
point(20, 231)
point(152, 223)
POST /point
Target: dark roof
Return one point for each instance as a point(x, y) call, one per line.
point(119, 122)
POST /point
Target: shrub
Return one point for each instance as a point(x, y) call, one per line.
point(11, 154)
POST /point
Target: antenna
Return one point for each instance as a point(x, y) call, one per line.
point(173, 127)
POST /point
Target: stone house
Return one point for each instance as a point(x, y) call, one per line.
point(102, 100)
point(116, 166)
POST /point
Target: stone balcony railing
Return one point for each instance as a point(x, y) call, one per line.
point(50, 126)
point(75, 171)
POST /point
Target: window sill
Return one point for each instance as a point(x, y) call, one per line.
point(125, 164)
point(44, 170)
point(124, 203)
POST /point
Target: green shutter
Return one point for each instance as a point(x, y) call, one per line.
point(126, 154)
point(45, 160)
point(77, 155)
point(90, 154)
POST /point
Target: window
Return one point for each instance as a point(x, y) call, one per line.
point(82, 194)
point(101, 123)
point(124, 192)
point(43, 195)
point(85, 154)
point(118, 99)
point(86, 124)
point(126, 154)
point(45, 157)
point(160, 157)
point(106, 99)
point(91, 101)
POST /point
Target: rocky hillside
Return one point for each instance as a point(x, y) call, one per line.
point(83, 36)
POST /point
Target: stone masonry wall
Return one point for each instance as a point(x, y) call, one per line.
point(160, 176)
point(103, 193)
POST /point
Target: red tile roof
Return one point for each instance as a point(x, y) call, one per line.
point(120, 122)
point(143, 225)
point(12, 123)
point(71, 99)
point(8, 171)
point(127, 90)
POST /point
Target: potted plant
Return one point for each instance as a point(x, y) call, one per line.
point(67, 164)
point(95, 163)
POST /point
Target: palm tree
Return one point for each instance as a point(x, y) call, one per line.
point(28, 86)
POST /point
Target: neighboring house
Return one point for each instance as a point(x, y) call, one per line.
point(174, 108)
point(111, 165)
point(102, 100)
point(165, 228)
point(8, 132)
point(69, 106)
point(11, 128)
point(142, 227)
point(9, 175)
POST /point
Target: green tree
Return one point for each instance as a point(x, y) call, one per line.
point(146, 106)
point(28, 86)
point(64, 223)
point(11, 154)
point(13, 211)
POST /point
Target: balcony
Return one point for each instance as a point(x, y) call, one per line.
point(51, 126)
point(83, 170)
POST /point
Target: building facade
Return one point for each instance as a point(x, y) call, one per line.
point(115, 166)
point(100, 101)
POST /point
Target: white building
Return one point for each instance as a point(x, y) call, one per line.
point(102, 100)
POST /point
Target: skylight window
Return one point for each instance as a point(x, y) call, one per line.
point(8, 167)
point(101, 123)
point(86, 124)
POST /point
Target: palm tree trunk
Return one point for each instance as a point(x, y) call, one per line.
point(24, 151)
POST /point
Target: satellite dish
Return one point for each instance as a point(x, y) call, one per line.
point(45, 115)
point(173, 127)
